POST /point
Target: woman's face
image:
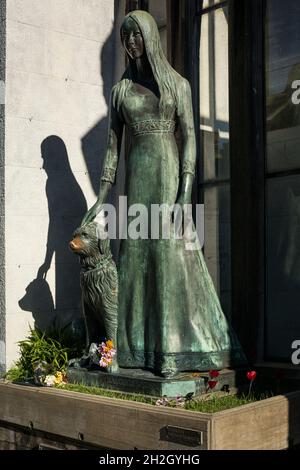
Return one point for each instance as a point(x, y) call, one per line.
point(132, 39)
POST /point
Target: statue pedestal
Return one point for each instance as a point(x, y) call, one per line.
point(146, 383)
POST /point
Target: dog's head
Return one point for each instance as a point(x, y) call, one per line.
point(87, 241)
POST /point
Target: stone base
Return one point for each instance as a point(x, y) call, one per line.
point(146, 383)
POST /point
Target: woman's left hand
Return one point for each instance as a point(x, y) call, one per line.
point(183, 200)
point(182, 213)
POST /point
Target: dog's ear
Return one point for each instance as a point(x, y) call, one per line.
point(98, 235)
point(104, 246)
point(100, 246)
point(103, 241)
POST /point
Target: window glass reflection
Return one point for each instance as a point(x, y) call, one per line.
point(283, 265)
point(214, 142)
point(283, 84)
point(158, 9)
point(217, 248)
point(214, 107)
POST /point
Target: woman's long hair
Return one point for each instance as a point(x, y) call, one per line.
point(165, 76)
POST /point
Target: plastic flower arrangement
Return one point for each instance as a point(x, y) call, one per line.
point(251, 376)
point(212, 382)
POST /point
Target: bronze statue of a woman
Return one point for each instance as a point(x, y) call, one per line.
point(170, 318)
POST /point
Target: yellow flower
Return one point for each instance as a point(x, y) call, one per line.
point(109, 344)
point(58, 378)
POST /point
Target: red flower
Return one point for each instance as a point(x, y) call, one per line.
point(251, 375)
point(214, 373)
point(212, 383)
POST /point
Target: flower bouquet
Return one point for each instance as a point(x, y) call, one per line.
point(102, 354)
point(43, 375)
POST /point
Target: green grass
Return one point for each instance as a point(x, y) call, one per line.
point(203, 404)
point(217, 403)
point(107, 393)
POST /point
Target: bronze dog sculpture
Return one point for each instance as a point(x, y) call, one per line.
point(99, 285)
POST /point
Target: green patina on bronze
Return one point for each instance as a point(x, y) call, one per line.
point(169, 316)
point(99, 285)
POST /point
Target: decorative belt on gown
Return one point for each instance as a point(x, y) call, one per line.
point(152, 126)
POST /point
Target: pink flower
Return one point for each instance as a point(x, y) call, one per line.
point(179, 400)
point(106, 352)
point(162, 402)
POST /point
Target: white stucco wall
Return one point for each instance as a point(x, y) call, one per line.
point(60, 65)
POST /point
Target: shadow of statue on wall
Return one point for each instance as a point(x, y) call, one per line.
point(94, 142)
point(66, 207)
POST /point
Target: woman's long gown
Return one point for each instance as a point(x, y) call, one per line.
point(170, 318)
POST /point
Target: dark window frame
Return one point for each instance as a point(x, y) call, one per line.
point(247, 156)
point(136, 5)
point(270, 175)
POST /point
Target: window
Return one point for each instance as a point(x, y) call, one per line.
point(282, 72)
point(158, 9)
point(214, 141)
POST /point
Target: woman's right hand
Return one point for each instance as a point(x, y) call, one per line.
point(91, 214)
point(96, 208)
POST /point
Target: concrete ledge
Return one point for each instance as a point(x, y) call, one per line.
point(120, 424)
